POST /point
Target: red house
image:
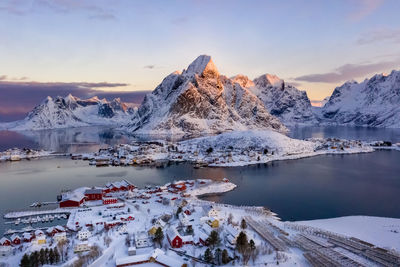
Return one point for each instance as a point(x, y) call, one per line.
point(94, 194)
point(5, 242)
point(15, 239)
point(187, 212)
point(27, 237)
point(174, 238)
point(179, 186)
point(72, 200)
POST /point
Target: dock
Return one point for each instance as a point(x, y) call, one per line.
point(30, 213)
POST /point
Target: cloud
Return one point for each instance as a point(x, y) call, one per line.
point(149, 67)
point(3, 77)
point(380, 35)
point(364, 8)
point(348, 72)
point(18, 98)
point(92, 9)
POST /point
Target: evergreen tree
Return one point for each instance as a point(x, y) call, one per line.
point(243, 224)
point(213, 239)
point(179, 210)
point(25, 262)
point(42, 257)
point(252, 244)
point(56, 256)
point(241, 242)
point(51, 256)
point(47, 254)
point(218, 256)
point(208, 256)
point(159, 236)
point(34, 259)
point(225, 257)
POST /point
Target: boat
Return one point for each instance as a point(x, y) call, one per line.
point(17, 221)
point(51, 218)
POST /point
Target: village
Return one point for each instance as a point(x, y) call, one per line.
point(160, 153)
point(119, 224)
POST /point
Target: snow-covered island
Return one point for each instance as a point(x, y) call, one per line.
point(121, 225)
point(16, 154)
point(235, 148)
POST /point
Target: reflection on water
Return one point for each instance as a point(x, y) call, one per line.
point(311, 188)
point(346, 132)
point(89, 139)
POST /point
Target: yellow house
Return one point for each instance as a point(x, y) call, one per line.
point(214, 223)
point(41, 240)
point(152, 230)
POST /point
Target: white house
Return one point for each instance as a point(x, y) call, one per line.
point(142, 239)
point(60, 237)
point(84, 234)
point(81, 247)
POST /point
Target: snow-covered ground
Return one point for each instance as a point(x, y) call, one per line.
point(384, 232)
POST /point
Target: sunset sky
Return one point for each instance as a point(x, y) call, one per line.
point(53, 46)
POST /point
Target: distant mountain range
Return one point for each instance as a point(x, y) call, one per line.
point(70, 111)
point(199, 100)
point(373, 102)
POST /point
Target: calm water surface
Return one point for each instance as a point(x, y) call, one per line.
point(310, 188)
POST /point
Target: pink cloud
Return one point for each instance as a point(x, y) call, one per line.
point(364, 8)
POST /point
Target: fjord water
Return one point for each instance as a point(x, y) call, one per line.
point(310, 188)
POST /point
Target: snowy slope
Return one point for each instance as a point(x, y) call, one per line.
point(200, 100)
point(71, 111)
point(374, 102)
point(250, 140)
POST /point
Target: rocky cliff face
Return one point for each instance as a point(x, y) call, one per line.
point(284, 101)
point(200, 100)
point(374, 102)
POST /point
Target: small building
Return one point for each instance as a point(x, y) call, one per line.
point(176, 240)
point(157, 256)
point(132, 251)
point(72, 200)
point(27, 237)
point(84, 234)
point(81, 247)
point(142, 239)
point(15, 239)
point(39, 233)
point(94, 194)
point(40, 240)
point(109, 200)
point(60, 237)
point(51, 231)
point(5, 242)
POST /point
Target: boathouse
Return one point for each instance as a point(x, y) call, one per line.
point(15, 239)
point(72, 200)
point(5, 242)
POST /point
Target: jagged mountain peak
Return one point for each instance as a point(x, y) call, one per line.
point(373, 102)
point(200, 101)
point(242, 80)
point(268, 80)
point(202, 65)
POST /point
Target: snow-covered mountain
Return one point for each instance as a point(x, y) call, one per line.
point(200, 100)
point(291, 105)
point(71, 111)
point(373, 102)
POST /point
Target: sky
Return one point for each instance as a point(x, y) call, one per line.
point(125, 47)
